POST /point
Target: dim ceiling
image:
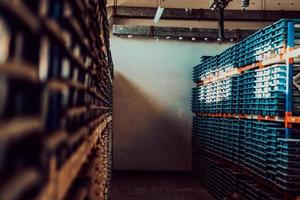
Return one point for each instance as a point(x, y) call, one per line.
point(196, 4)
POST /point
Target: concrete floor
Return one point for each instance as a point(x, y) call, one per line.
point(156, 186)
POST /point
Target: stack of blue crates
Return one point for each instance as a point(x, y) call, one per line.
point(246, 93)
point(288, 168)
point(227, 60)
point(261, 147)
point(257, 92)
point(222, 181)
point(270, 87)
point(242, 143)
point(261, 142)
point(263, 44)
point(195, 99)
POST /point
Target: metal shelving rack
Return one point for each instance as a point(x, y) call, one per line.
point(56, 76)
point(289, 121)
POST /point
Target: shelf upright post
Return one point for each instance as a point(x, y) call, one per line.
point(289, 76)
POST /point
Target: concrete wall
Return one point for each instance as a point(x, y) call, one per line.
point(152, 88)
point(152, 98)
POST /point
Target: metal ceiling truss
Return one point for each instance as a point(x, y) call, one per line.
point(196, 34)
point(204, 14)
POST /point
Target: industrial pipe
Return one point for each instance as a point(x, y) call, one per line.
point(221, 23)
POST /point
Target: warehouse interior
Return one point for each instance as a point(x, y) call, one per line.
point(149, 100)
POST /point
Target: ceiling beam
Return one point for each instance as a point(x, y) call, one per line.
point(175, 32)
point(205, 14)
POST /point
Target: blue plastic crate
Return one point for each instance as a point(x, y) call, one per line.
point(287, 170)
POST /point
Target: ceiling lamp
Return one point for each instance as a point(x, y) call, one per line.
point(245, 4)
point(158, 14)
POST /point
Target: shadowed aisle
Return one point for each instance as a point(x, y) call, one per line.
point(156, 186)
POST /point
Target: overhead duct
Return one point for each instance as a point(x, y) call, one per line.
point(221, 24)
point(219, 5)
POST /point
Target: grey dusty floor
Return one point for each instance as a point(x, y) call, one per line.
point(156, 186)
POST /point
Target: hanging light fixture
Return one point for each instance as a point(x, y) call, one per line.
point(245, 4)
point(159, 12)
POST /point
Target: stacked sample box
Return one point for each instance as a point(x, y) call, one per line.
point(55, 95)
point(240, 104)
